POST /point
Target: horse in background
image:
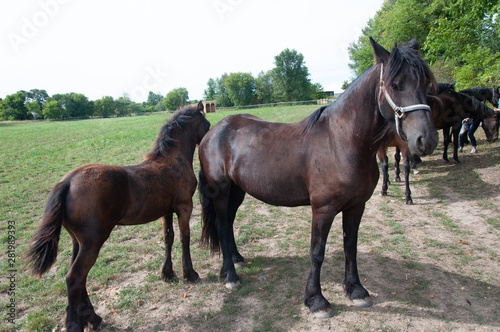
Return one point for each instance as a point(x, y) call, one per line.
point(449, 108)
point(493, 96)
point(326, 161)
point(91, 200)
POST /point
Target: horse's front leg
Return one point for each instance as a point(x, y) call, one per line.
point(313, 298)
point(184, 215)
point(167, 273)
point(397, 160)
point(352, 286)
point(384, 166)
point(406, 168)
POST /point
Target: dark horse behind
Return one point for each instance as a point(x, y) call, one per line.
point(91, 200)
point(493, 96)
point(449, 108)
point(326, 161)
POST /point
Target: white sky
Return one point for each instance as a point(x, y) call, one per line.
point(112, 47)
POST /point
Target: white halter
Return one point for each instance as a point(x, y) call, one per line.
point(399, 111)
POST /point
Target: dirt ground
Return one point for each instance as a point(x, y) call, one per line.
point(430, 266)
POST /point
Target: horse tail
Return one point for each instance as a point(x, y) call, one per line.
point(43, 251)
point(209, 233)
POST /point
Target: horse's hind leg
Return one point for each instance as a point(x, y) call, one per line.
point(80, 310)
point(352, 286)
point(236, 197)
point(184, 214)
point(167, 273)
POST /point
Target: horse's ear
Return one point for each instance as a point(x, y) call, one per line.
point(413, 44)
point(200, 108)
point(381, 54)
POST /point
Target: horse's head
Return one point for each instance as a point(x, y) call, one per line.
point(404, 81)
point(490, 126)
point(203, 125)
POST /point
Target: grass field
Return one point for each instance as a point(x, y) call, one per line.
point(430, 266)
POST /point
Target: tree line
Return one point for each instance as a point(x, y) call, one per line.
point(459, 39)
point(287, 81)
point(37, 104)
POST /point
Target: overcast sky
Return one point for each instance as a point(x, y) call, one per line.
point(112, 47)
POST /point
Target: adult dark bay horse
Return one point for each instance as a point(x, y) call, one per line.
point(326, 160)
point(91, 200)
point(450, 108)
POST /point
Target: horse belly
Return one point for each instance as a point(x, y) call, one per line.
point(273, 182)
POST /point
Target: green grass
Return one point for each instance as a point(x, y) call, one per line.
point(126, 276)
point(34, 156)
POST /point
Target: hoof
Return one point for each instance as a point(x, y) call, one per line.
point(239, 265)
point(322, 314)
point(168, 275)
point(233, 285)
point(96, 323)
point(192, 277)
point(193, 280)
point(367, 302)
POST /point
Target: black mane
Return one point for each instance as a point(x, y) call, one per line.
point(408, 56)
point(313, 118)
point(164, 140)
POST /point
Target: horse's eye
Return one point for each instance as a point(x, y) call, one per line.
point(398, 87)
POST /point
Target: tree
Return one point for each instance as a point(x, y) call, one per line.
point(460, 39)
point(37, 95)
point(317, 91)
point(74, 104)
point(222, 95)
point(154, 102)
point(122, 105)
point(241, 88)
point(465, 41)
point(104, 107)
point(52, 110)
point(175, 99)
point(211, 90)
point(13, 107)
point(291, 76)
point(34, 109)
point(264, 89)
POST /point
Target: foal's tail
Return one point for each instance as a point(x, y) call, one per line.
point(43, 251)
point(209, 234)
